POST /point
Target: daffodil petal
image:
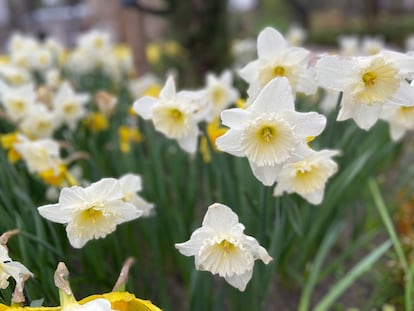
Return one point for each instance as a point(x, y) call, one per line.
point(144, 105)
point(269, 43)
point(275, 96)
point(230, 142)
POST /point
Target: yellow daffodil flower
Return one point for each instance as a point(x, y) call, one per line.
point(153, 90)
point(214, 131)
point(124, 301)
point(4, 59)
point(58, 176)
point(7, 141)
point(205, 149)
point(96, 122)
point(241, 103)
point(126, 136)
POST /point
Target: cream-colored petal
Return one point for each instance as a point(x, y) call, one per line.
point(270, 43)
point(220, 217)
point(143, 106)
point(275, 96)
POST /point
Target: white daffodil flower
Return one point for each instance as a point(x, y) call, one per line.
point(41, 58)
point(17, 101)
point(92, 212)
point(269, 131)
point(277, 59)
point(39, 155)
point(141, 86)
point(221, 247)
point(176, 115)
point(372, 45)
point(220, 93)
point(10, 268)
point(348, 45)
point(296, 35)
point(400, 119)
point(15, 76)
point(307, 175)
point(130, 185)
point(69, 106)
point(81, 61)
point(39, 122)
point(367, 83)
point(95, 41)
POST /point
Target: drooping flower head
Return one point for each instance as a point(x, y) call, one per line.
point(307, 175)
point(11, 269)
point(221, 247)
point(269, 131)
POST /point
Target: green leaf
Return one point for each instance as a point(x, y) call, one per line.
point(340, 287)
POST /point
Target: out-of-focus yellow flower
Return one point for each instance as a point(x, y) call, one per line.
point(96, 121)
point(241, 103)
point(153, 52)
point(126, 136)
point(58, 177)
point(205, 149)
point(388, 307)
point(214, 131)
point(7, 141)
point(124, 301)
point(122, 51)
point(4, 59)
point(153, 90)
point(172, 48)
point(131, 111)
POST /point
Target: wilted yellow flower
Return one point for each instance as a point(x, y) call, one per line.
point(105, 102)
point(96, 121)
point(124, 301)
point(126, 136)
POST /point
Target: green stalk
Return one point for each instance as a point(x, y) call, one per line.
point(382, 209)
point(326, 302)
point(327, 243)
